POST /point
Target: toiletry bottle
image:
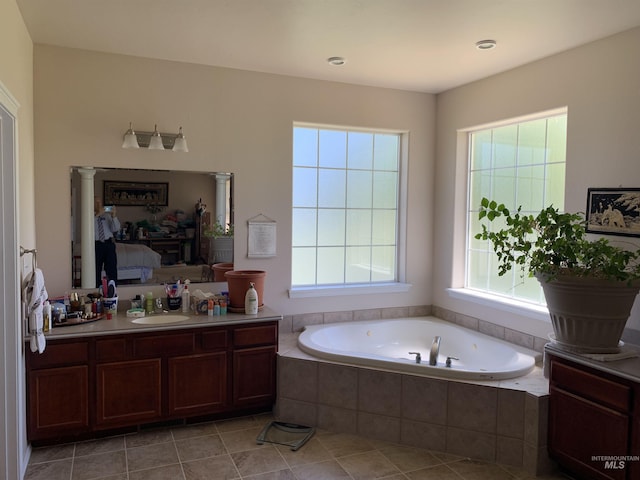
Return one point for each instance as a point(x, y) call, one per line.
point(186, 299)
point(47, 316)
point(210, 307)
point(149, 303)
point(251, 301)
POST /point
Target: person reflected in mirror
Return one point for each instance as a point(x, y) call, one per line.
point(106, 224)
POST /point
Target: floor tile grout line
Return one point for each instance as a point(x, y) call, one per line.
point(73, 461)
point(126, 458)
point(175, 445)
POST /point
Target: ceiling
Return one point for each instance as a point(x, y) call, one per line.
point(417, 45)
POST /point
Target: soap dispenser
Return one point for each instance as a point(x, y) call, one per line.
point(251, 301)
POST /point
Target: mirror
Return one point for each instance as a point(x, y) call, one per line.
point(164, 219)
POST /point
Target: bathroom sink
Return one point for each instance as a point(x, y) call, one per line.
point(160, 319)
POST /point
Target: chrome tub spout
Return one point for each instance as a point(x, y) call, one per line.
point(435, 349)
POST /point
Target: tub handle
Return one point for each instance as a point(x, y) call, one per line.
point(448, 363)
point(418, 356)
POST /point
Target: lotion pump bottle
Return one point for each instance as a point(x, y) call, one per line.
point(251, 301)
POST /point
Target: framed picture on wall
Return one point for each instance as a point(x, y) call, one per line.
point(136, 193)
point(613, 211)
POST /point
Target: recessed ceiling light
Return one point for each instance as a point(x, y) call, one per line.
point(486, 44)
point(337, 61)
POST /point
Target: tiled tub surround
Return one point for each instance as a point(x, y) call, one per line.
point(496, 421)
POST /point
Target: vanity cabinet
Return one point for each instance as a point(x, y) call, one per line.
point(254, 365)
point(58, 390)
point(198, 383)
point(125, 380)
point(128, 392)
point(593, 414)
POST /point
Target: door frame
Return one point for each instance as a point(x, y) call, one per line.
point(12, 408)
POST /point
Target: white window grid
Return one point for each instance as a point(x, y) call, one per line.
point(514, 281)
point(344, 245)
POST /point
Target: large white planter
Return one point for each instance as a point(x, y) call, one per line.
point(221, 250)
point(588, 315)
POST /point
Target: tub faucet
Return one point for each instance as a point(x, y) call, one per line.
point(435, 349)
point(418, 356)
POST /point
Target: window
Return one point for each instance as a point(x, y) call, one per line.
point(518, 164)
point(345, 206)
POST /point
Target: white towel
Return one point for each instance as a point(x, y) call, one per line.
point(36, 295)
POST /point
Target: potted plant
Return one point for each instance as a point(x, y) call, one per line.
point(221, 245)
point(589, 285)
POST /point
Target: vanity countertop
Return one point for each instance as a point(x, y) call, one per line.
point(120, 324)
point(628, 368)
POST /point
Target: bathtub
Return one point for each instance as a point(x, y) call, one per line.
point(386, 344)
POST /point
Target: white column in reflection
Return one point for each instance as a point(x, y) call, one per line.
point(221, 198)
point(87, 234)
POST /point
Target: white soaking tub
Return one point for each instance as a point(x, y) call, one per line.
point(386, 344)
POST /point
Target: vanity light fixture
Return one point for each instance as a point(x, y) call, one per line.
point(155, 140)
point(486, 44)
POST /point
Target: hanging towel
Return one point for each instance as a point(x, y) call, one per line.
point(36, 295)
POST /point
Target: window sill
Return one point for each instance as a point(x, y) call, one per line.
point(358, 289)
point(536, 312)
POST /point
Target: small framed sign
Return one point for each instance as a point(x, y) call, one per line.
point(262, 237)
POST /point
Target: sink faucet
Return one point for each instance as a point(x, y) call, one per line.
point(435, 349)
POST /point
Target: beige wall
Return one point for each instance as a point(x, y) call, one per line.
point(600, 85)
point(235, 121)
point(16, 76)
point(16, 73)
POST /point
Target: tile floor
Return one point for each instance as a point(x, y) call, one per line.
point(227, 450)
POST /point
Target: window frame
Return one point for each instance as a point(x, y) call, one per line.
point(398, 286)
point(486, 297)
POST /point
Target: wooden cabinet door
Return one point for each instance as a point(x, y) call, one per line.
point(580, 429)
point(58, 402)
point(197, 384)
point(254, 376)
point(128, 392)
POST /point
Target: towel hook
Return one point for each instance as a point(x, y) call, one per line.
point(33, 252)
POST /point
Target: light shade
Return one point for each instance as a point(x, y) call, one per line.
point(130, 139)
point(180, 144)
point(156, 140)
